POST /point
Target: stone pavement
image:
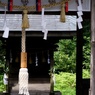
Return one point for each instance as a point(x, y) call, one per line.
point(36, 87)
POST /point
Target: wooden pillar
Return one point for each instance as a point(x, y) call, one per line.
point(7, 63)
point(92, 78)
point(79, 59)
point(51, 73)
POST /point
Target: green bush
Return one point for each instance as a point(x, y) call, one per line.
point(86, 73)
point(66, 56)
point(66, 83)
point(2, 87)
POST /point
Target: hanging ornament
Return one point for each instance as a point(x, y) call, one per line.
point(5, 28)
point(36, 60)
point(62, 15)
point(38, 5)
point(10, 5)
point(66, 6)
point(30, 59)
point(43, 57)
point(48, 60)
point(79, 13)
point(44, 30)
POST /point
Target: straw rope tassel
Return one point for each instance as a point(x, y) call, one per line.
point(62, 15)
point(25, 21)
point(23, 72)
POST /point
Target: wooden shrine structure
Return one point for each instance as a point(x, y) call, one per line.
point(36, 46)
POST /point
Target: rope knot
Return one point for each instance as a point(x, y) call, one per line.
point(25, 21)
point(62, 14)
point(25, 11)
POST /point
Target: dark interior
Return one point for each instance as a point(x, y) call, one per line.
point(35, 48)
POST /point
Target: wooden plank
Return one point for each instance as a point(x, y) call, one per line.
point(14, 22)
point(79, 60)
point(92, 78)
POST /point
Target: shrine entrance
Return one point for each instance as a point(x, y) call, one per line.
point(39, 56)
point(40, 51)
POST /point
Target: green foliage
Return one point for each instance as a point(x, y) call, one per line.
point(86, 73)
point(86, 46)
point(66, 83)
point(65, 57)
point(2, 87)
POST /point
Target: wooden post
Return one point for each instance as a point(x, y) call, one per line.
point(79, 59)
point(51, 74)
point(7, 63)
point(92, 78)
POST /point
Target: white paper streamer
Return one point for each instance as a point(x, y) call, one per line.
point(5, 79)
point(79, 8)
point(44, 30)
point(36, 60)
point(5, 28)
point(79, 13)
point(80, 25)
point(45, 34)
point(42, 17)
point(80, 3)
point(79, 19)
point(6, 32)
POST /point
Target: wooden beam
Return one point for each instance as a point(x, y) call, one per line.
point(79, 59)
point(86, 15)
point(92, 78)
point(61, 34)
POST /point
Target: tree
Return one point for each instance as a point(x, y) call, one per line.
point(86, 46)
point(65, 56)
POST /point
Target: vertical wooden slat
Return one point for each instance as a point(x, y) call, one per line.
point(79, 59)
point(51, 73)
point(66, 7)
point(92, 78)
point(38, 5)
point(10, 5)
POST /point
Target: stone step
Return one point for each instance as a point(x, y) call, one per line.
point(40, 93)
point(37, 86)
point(33, 93)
